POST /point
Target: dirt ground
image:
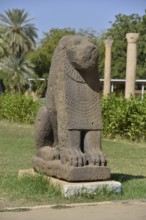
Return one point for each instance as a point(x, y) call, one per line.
point(134, 210)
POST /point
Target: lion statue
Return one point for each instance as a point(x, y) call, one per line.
point(68, 126)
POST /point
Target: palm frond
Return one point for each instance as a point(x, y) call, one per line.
point(19, 32)
point(19, 70)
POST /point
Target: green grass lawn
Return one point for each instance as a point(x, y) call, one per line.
point(127, 161)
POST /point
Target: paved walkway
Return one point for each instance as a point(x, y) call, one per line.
point(134, 210)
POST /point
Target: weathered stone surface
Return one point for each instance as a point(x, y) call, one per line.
point(73, 189)
point(69, 173)
point(68, 126)
point(131, 64)
point(107, 67)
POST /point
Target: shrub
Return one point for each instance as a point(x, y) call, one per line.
point(125, 118)
point(122, 118)
point(18, 108)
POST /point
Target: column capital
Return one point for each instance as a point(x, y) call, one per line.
point(132, 37)
point(108, 42)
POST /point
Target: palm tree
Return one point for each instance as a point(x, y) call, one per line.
point(18, 70)
point(17, 31)
point(2, 47)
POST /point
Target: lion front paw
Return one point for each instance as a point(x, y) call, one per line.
point(72, 158)
point(95, 158)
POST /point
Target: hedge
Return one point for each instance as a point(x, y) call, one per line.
point(18, 108)
point(122, 118)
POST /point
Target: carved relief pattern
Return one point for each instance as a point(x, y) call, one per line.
point(82, 103)
point(71, 72)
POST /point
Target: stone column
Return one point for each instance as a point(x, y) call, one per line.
point(107, 67)
point(131, 64)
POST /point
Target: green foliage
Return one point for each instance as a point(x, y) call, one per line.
point(16, 71)
point(2, 47)
point(124, 118)
point(17, 32)
point(42, 56)
point(41, 60)
point(18, 108)
point(122, 25)
point(17, 38)
point(40, 86)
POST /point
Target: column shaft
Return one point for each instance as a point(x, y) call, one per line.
point(107, 67)
point(131, 64)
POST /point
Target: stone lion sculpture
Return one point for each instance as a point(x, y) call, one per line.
point(68, 126)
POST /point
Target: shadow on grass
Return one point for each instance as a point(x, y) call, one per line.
point(125, 177)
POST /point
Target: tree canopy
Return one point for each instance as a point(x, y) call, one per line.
point(18, 71)
point(42, 56)
point(17, 37)
point(17, 32)
point(122, 25)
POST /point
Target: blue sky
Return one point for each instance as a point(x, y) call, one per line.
point(94, 14)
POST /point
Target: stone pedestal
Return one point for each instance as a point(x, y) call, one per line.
point(72, 189)
point(131, 64)
point(69, 173)
point(107, 67)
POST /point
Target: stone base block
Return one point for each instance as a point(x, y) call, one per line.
point(71, 189)
point(23, 173)
point(74, 189)
point(56, 169)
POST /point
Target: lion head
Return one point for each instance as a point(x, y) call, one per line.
point(80, 51)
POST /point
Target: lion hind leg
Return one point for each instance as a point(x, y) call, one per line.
point(44, 134)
